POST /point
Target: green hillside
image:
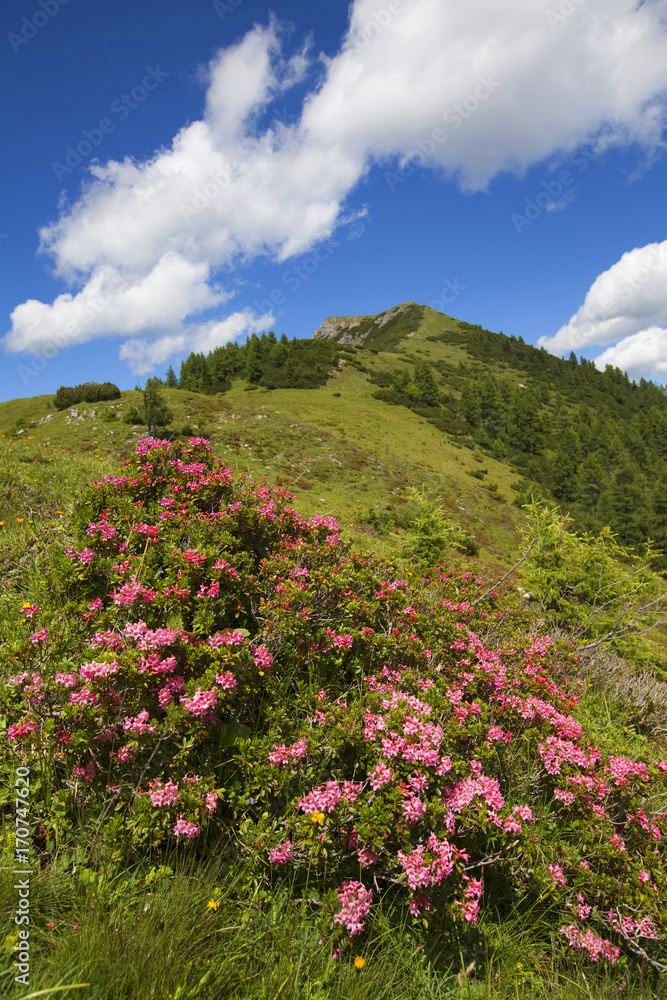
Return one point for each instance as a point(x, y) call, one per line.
point(304, 633)
point(482, 421)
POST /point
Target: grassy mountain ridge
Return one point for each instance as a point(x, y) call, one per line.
point(412, 410)
point(494, 420)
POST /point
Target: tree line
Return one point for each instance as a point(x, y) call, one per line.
point(264, 361)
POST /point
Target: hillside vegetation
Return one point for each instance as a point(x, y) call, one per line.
point(292, 727)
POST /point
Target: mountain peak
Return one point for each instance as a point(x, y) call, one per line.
point(383, 330)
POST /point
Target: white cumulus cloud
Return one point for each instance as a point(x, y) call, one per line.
point(476, 89)
point(644, 354)
point(626, 307)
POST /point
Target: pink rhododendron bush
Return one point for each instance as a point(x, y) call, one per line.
point(214, 668)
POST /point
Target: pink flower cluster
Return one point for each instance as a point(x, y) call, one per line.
point(339, 641)
point(421, 871)
point(381, 775)
point(557, 752)
point(262, 658)
point(183, 828)
point(87, 773)
point(163, 794)
point(355, 902)
point(557, 874)
point(139, 724)
point(98, 671)
point(283, 754)
point(229, 637)
point(22, 729)
point(131, 592)
point(595, 947)
point(471, 897)
point(324, 798)
point(621, 768)
point(227, 568)
point(281, 855)
point(488, 789)
point(201, 702)
point(227, 681)
point(105, 530)
point(628, 926)
point(41, 636)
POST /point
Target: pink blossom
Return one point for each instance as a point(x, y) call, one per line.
point(380, 775)
point(582, 908)
point(66, 680)
point(324, 798)
point(621, 768)
point(212, 801)
point(138, 724)
point(30, 610)
point(201, 702)
point(495, 734)
point(41, 636)
point(98, 671)
point(83, 697)
point(617, 842)
point(86, 556)
point(472, 896)
point(164, 697)
point(557, 752)
point(557, 874)
point(567, 798)
point(282, 754)
point(227, 681)
point(183, 828)
point(131, 592)
point(21, 730)
point(595, 947)
point(262, 658)
point(163, 794)
point(355, 902)
point(413, 809)
point(461, 795)
point(225, 567)
point(281, 855)
point(229, 637)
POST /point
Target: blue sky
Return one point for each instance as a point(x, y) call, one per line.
point(179, 174)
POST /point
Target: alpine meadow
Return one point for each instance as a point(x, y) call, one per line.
point(333, 500)
point(337, 667)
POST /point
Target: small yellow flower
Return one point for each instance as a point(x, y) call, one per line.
point(317, 817)
point(60, 512)
point(359, 963)
point(212, 905)
point(19, 520)
point(31, 522)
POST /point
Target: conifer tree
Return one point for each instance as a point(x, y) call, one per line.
point(155, 412)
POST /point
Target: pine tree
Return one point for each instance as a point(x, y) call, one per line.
point(469, 407)
point(426, 384)
point(170, 379)
point(155, 412)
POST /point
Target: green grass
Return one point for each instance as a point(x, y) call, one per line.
point(152, 933)
point(345, 453)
